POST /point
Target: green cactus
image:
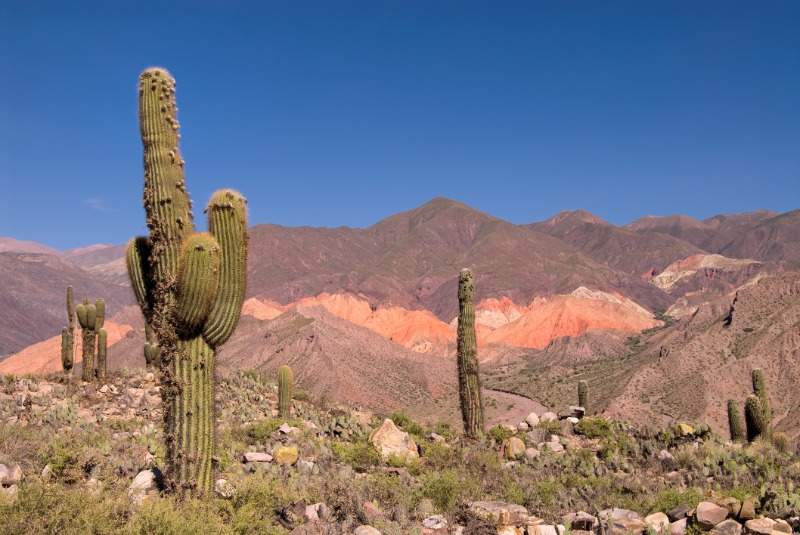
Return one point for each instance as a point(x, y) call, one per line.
point(285, 391)
point(66, 350)
point(781, 442)
point(100, 314)
point(87, 318)
point(583, 395)
point(151, 349)
point(754, 418)
point(468, 379)
point(102, 341)
point(190, 286)
point(760, 390)
point(735, 422)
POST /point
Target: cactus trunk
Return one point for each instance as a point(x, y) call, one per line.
point(285, 391)
point(66, 350)
point(735, 422)
point(190, 287)
point(760, 390)
point(102, 341)
point(468, 379)
point(754, 418)
point(583, 395)
point(68, 345)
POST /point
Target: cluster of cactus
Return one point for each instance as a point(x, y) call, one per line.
point(285, 390)
point(91, 319)
point(469, 387)
point(583, 395)
point(757, 409)
point(346, 426)
point(189, 285)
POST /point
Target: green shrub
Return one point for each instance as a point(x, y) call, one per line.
point(500, 433)
point(594, 427)
point(402, 420)
point(361, 455)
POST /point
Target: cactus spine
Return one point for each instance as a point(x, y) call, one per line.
point(583, 395)
point(760, 390)
point(754, 418)
point(468, 380)
point(189, 285)
point(285, 391)
point(735, 422)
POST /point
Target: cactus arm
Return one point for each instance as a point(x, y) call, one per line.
point(66, 349)
point(136, 260)
point(198, 279)
point(102, 342)
point(227, 221)
point(100, 319)
point(735, 422)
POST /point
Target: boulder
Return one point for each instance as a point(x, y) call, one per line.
point(515, 448)
point(678, 527)
point(532, 419)
point(532, 453)
point(781, 526)
point(733, 506)
point(666, 458)
point(679, 512)
point(10, 475)
point(538, 435)
point(257, 457)
point(581, 521)
point(548, 417)
point(627, 526)
point(748, 510)
point(572, 412)
point(223, 489)
point(727, 527)
point(145, 485)
point(389, 440)
point(658, 521)
point(435, 525)
point(708, 514)
point(366, 530)
point(501, 513)
point(542, 529)
point(759, 526)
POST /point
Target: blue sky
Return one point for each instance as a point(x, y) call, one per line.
point(336, 113)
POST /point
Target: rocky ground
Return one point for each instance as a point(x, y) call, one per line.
point(80, 458)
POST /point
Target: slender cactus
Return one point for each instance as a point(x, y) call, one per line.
point(285, 389)
point(754, 418)
point(68, 344)
point(760, 390)
point(735, 422)
point(87, 317)
point(583, 395)
point(468, 379)
point(190, 286)
point(66, 350)
point(102, 343)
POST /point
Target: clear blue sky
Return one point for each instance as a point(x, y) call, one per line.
point(341, 112)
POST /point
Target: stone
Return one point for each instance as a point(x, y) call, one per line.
point(532, 453)
point(538, 435)
point(581, 521)
point(515, 448)
point(548, 417)
point(627, 526)
point(366, 530)
point(666, 458)
point(678, 527)
point(435, 525)
point(727, 527)
point(371, 511)
point(500, 513)
point(10, 491)
point(566, 428)
point(616, 512)
point(287, 429)
point(47, 472)
point(10, 475)
point(523, 426)
point(573, 420)
point(510, 530)
point(731, 504)
point(317, 511)
point(149, 377)
point(542, 529)
point(145, 485)
point(223, 489)
point(435, 437)
point(287, 455)
point(532, 419)
point(658, 521)
point(305, 466)
point(748, 510)
point(257, 457)
point(573, 411)
point(678, 512)
point(708, 514)
point(389, 440)
point(782, 526)
point(759, 526)
point(555, 447)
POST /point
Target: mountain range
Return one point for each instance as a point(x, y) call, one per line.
point(367, 316)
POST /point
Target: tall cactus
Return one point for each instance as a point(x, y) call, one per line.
point(754, 418)
point(469, 387)
point(87, 318)
point(735, 422)
point(102, 346)
point(68, 335)
point(760, 390)
point(189, 285)
point(285, 388)
point(583, 395)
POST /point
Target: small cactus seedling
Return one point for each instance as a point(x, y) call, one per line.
point(735, 422)
point(469, 387)
point(285, 391)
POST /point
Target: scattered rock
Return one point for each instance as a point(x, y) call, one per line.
point(748, 510)
point(572, 412)
point(627, 526)
point(666, 458)
point(538, 435)
point(782, 526)
point(523, 426)
point(257, 457)
point(733, 506)
point(708, 514)
point(434, 525)
point(515, 448)
point(678, 527)
point(542, 529)
point(727, 527)
point(435, 437)
point(532, 453)
point(366, 530)
point(305, 466)
point(548, 417)
point(658, 521)
point(581, 521)
point(10, 475)
point(759, 526)
point(10, 491)
point(501, 513)
point(371, 511)
point(678, 512)
point(532, 419)
point(317, 511)
point(146, 484)
point(389, 440)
